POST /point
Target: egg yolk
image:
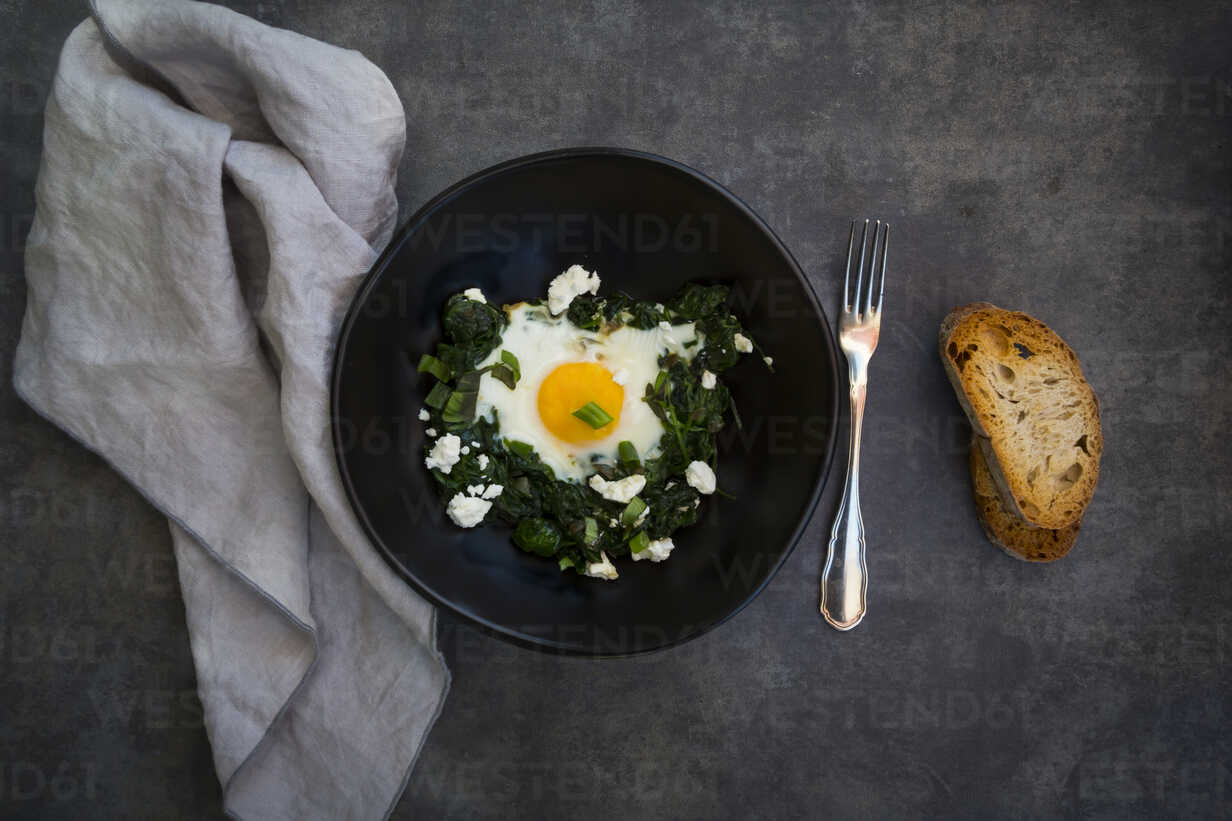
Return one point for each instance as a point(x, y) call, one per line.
point(571, 386)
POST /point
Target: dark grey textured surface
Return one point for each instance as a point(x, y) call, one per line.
point(1071, 160)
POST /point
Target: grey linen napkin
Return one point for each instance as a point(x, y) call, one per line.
point(212, 192)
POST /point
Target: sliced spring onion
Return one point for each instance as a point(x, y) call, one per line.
point(505, 374)
point(437, 397)
point(639, 542)
point(565, 563)
point(434, 366)
point(460, 408)
point(628, 455)
point(454, 412)
point(592, 531)
point(632, 511)
point(520, 448)
point(512, 363)
point(593, 415)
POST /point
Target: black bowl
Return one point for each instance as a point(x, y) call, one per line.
point(648, 225)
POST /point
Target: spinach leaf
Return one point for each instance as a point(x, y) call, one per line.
point(536, 535)
point(706, 306)
point(643, 315)
point(691, 414)
point(590, 313)
point(719, 353)
point(586, 312)
point(671, 508)
point(474, 328)
point(700, 301)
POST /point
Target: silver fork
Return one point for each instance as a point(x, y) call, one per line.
point(844, 581)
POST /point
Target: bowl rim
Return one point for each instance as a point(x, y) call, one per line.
point(398, 239)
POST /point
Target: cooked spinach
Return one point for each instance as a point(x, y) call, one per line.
point(459, 409)
point(592, 312)
point(698, 302)
point(691, 414)
point(706, 305)
point(473, 328)
point(536, 535)
point(565, 520)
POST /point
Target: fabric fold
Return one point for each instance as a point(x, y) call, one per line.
point(196, 242)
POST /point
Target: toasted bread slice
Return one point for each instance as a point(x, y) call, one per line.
point(1006, 530)
point(1023, 390)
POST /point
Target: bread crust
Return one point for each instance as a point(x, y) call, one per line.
point(1022, 426)
point(1007, 531)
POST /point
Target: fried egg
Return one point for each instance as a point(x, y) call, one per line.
point(563, 369)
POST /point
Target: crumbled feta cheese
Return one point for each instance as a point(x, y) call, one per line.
point(493, 491)
point(474, 490)
point(574, 282)
point(700, 477)
point(656, 551)
point(743, 343)
point(659, 307)
point(665, 326)
point(769, 360)
point(483, 461)
point(474, 294)
point(466, 449)
point(709, 380)
point(467, 511)
point(431, 432)
point(424, 416)
point(603, 569)
point(621, 377)
point(444, 454)
point(622, 490)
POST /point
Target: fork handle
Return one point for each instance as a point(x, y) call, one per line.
point(844, 581)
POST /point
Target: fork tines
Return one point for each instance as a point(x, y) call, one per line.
point(851, 301)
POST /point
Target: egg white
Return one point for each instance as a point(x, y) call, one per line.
point(543, 343)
